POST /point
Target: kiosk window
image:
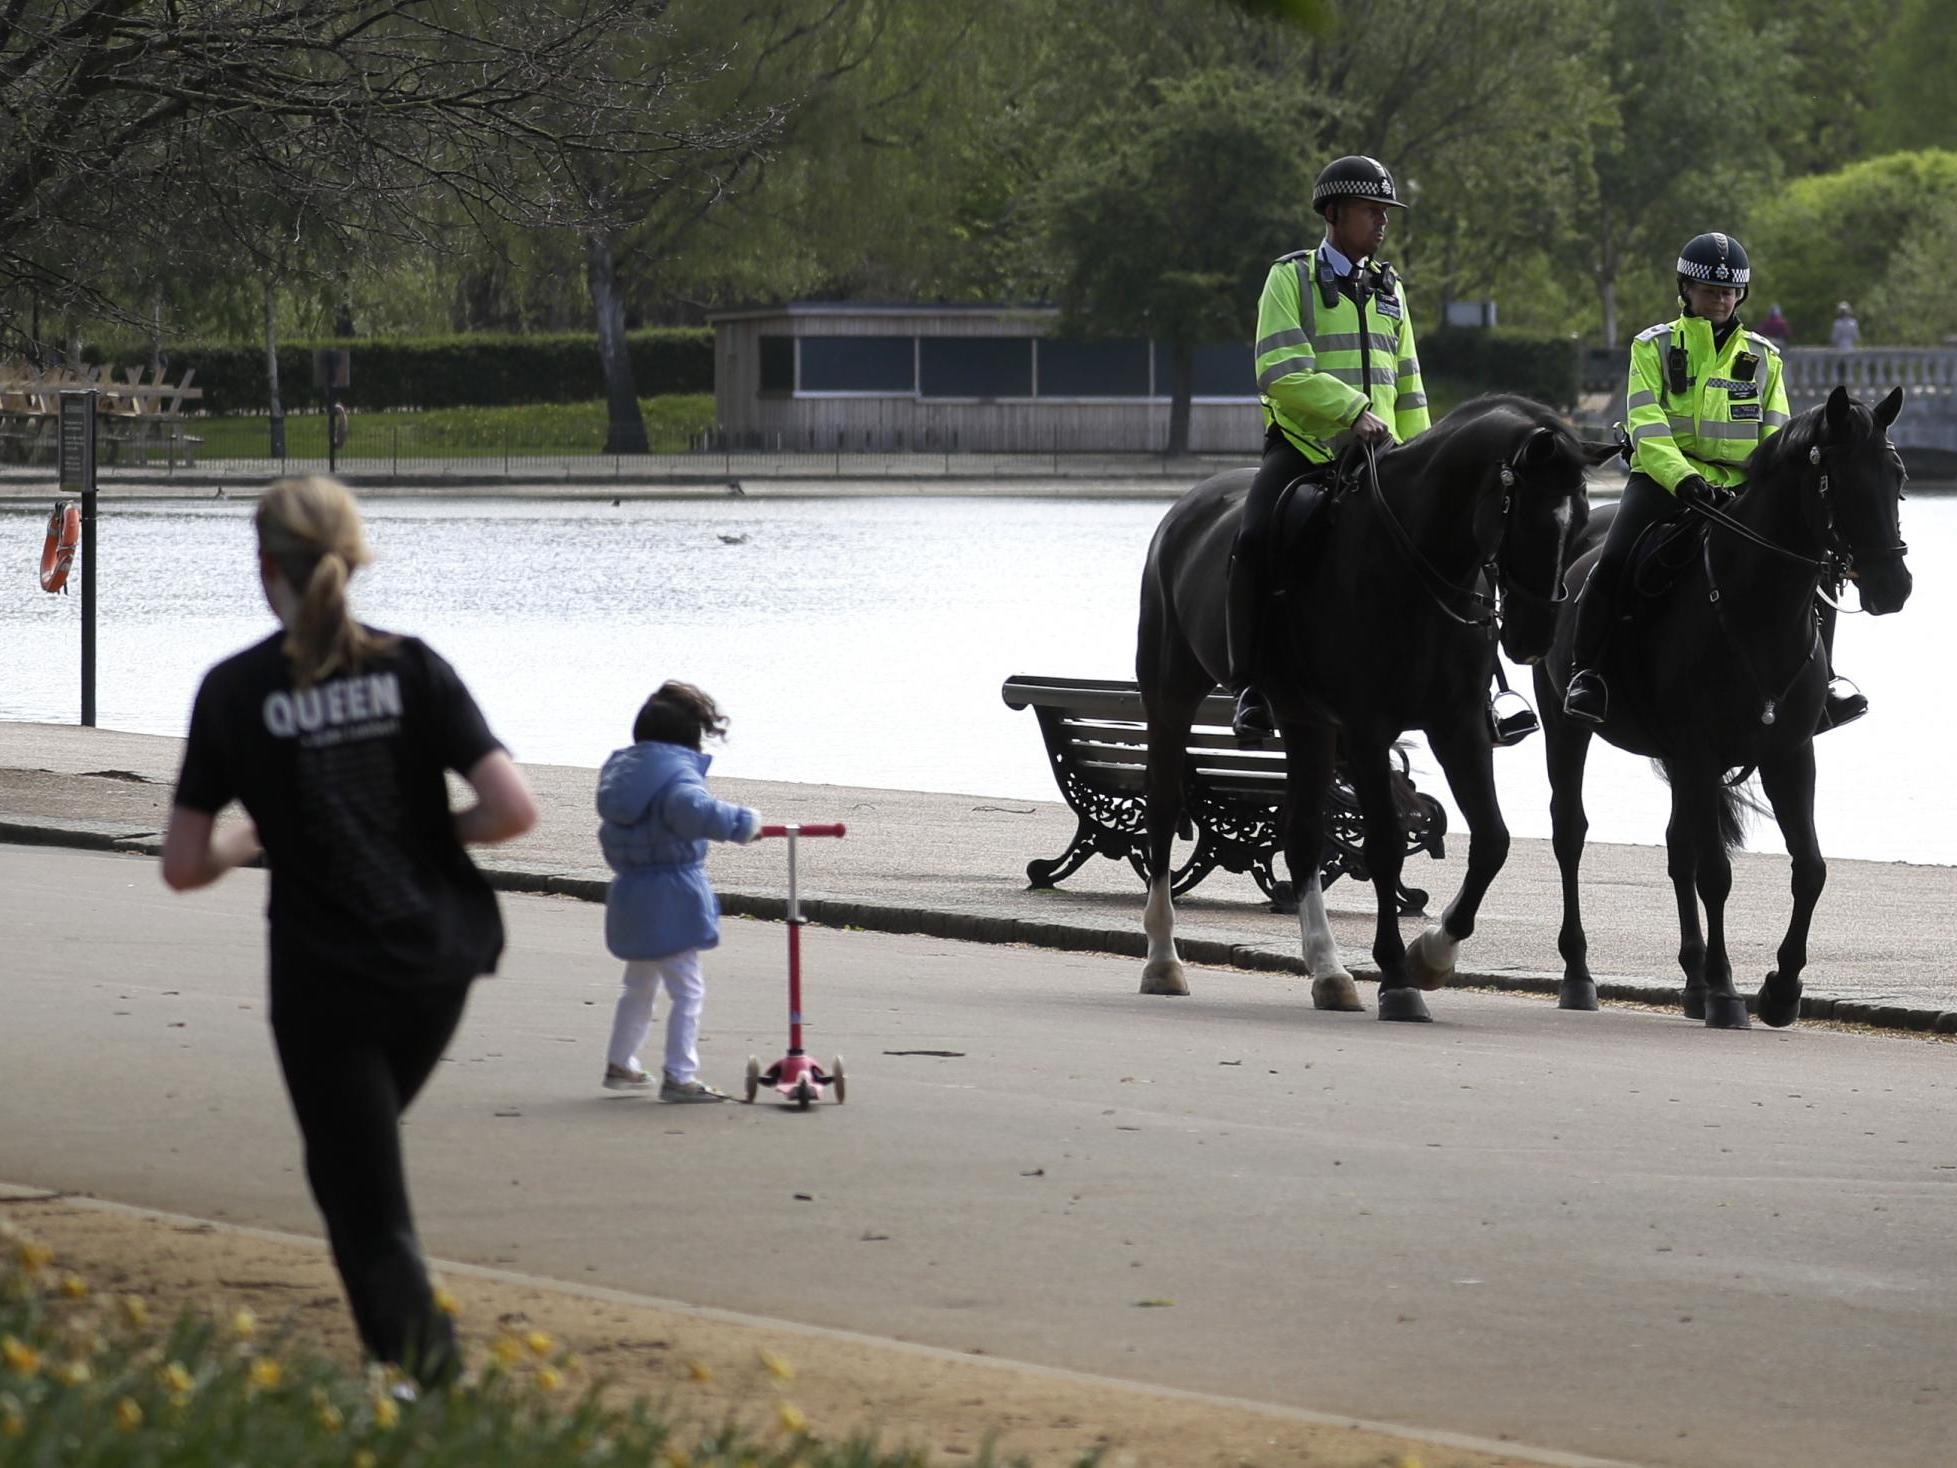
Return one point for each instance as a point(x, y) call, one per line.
point(976, 366)
point(1108, 369)
point(859, 364)
point(1221, 370)
point(778, 364)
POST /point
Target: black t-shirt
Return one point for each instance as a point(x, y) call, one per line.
point(345, 781)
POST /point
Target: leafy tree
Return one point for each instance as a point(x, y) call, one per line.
point(1916, 106)
point(1894, 269)
point(1169, 218)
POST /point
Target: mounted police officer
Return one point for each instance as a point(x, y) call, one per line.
point(1335, 361)
point(1703, 393)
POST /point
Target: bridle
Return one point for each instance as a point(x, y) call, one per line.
point(1834, 565)
point(1438, 588)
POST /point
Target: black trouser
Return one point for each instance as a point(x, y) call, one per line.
point(1645, 503)
point(355, 1055)
point(1250, 557)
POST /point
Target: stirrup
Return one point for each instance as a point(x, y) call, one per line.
point(1510, 719)
point(1587, 699)
point(1844, 704)
point(1252, 718)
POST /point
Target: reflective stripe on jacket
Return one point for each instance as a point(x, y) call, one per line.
point(1718, 420)
point(1316, 372)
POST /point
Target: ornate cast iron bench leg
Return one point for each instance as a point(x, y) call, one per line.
point(1045, 873)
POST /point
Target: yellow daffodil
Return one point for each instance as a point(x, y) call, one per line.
point(12, 1424)
point(790, 1417)
point(697, 1371)
point(329, 1417)
point(175, 1378)
point(134, 1311)
point(21, 1358)
point(387, 1412)
point(74, 1287)
point(244, 1324)
point(33, 1255)
point(539, 1342)
point(129, 1416)
point(446, 1302)
point(72, 1373)
point(779, 1367)
point(507, 1350)
point(549, 1378)
point(365, 1458)
point(266, 1374)
point(678, 1458)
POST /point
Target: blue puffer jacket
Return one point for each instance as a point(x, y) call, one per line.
point(658, 818)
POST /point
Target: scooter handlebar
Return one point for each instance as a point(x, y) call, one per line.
point(834, 828)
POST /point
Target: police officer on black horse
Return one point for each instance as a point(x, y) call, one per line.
point(1703, 394)
point(1335, 362)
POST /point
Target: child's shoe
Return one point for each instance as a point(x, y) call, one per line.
point(623, 1078)
point(672, 1090)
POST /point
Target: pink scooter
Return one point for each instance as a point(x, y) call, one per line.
point(798, 1078)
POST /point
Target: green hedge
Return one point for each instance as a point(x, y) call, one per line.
point(1543, 368)
point(445, 372)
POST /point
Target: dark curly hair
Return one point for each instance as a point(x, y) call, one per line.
point(679, 713)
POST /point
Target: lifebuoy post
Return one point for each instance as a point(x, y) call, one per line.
point(333, 370)
point(76, 460)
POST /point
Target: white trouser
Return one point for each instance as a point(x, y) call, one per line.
point(632, 1020)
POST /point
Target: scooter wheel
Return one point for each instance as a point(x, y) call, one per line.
point(804, 1094)
point(836, 1079)
point(753, 1078)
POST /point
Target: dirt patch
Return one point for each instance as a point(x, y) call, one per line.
point(707, 1370)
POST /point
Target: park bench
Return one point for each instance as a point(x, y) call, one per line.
point(1097, 745)
point(134, 420)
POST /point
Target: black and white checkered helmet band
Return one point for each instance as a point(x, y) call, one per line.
point(1364, 188)
point(1720, 274)
point(1355, 177)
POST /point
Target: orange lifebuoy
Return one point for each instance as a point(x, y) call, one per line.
point(58, 550)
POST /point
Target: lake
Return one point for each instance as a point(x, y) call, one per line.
point(855, 641)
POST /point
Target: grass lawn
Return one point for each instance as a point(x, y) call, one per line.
point(673, 423)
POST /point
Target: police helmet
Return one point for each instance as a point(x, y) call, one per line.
point(1713, 259)
point(1354, 177)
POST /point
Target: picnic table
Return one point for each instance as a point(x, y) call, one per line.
point(136, 421)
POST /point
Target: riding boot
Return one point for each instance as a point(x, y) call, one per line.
point(1845, 702)
point(1587, 699)
point(1242, 604)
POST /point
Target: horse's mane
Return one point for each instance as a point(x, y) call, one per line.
point(1477, 415)
point(1777, 451)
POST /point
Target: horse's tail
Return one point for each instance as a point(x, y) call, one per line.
point(1736, 806)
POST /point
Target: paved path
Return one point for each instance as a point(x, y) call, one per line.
point(1614, 1234)
point(1884, 942)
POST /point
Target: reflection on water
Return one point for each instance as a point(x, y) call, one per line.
point(855, 641)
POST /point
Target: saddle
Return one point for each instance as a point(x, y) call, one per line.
point(1658, 559)
point(1300, 519)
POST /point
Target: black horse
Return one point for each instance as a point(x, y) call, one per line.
point(1724, 672)
point(1379, 626)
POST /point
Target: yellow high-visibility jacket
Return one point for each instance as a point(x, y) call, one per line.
point(1319, 367)
point(1727, 404)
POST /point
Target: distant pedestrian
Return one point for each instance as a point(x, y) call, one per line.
point(660, 911)
point(1846, 332)
point(1775, 327)
point(337, 739)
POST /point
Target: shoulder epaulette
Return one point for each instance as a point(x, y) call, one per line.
point(1652, 333)
point(1767, 343)
point(1294, 255)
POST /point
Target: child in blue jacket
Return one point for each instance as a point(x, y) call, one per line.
point(659, 911)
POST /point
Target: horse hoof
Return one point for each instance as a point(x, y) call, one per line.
point(1336, 991)
point(1695, 1003)
point(1778, 1004)
point(1726, 1012)
point(1430, 958)
point(1577, 994)
point(1404, 1004)
point(1164, 976)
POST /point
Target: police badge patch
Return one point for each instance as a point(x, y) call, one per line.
point(1746, 412)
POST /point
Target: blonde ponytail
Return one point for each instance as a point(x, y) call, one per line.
point(310, 526)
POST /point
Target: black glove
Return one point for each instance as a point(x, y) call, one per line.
point(1695, 494)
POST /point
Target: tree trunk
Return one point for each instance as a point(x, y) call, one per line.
point(1607, 298)
point(1607, 279)
point(1183, 374)
point(272, 368)
point(156, 335)
point(625, 431)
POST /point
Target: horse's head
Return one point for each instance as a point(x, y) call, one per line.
point(1542, 505)
point(1859, 477)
